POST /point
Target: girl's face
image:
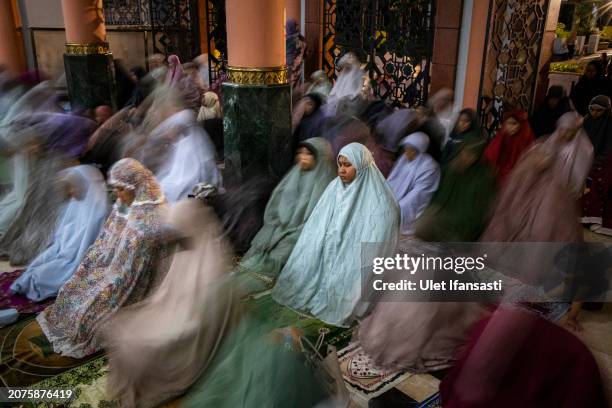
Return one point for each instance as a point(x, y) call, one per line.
point(305, 159)
point(464, 123)
point(346, 171)
point(596, 112)
point(512, 126)
point(124, 195)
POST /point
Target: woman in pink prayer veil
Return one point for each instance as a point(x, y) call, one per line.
point(539, 202)
point(161, 345)
point(175, 70)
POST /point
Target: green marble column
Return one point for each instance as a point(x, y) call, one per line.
point(257, 126)
point(90, 75)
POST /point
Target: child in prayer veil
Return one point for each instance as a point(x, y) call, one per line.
point(290, 206)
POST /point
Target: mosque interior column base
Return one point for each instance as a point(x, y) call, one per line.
point(90, 80)
point(257, 130)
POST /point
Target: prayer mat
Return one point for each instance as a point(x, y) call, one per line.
point(276, 315)
point(369, 385)
point(9, 300)
point(27, 357)
point(363, 377)
point(88, 383)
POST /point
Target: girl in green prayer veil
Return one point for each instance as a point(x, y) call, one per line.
point(287, 211)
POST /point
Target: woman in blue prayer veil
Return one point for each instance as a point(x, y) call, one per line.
point(323, 273)
point(76, 230)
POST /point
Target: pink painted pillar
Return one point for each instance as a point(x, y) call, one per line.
point(11, 50)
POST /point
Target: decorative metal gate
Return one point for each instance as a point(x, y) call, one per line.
point(393, 37)
point(175, 29)
point(514, 40)
point(217, 38)
point(173, 24)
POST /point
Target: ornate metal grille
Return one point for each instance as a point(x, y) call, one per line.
point(173, 24)
point(516, 29)
point(217, 38)
point(393, 37)
point(126, 13)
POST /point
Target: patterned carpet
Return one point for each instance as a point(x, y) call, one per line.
point(88, 379)
point(26, 357)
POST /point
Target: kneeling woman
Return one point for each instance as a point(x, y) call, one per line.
point(181, 325)
point(323, 273)
point(118, 269)
point(290, 206)
point(76, 230)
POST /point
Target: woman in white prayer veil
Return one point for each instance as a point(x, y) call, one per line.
point(21, 165)
point(348, 85)
point(38, 99)
point(77, 228)
point(192, 156)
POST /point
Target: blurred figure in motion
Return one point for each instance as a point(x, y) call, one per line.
point(20, 163)
point(441, 106)
point(258, 367)
point(106, 144)
point(323, 273)
point(545, 117)
point(102, 114)
point(307, 120)
point(182, 324)
point(414, 179)
point(348, 86)
point(295, 51)
point(155, 76)
point(211, 108)
point(38, 99)
point(390, 131)
point(516, 358)
point(424, 336)
point(211, 118)
point(320, 84)
point(203, 69)
point(191, 70)
point(125, 83)
point(466, 130)
point(77, 228)
point(376, 109)
point(288, 209)
point(177, 149)
point(541, 190)
point(241, 209)
point(125, 261)
point(191, 93)
point(509, 143)
point(460, 209)
point(57, 140)
point(344, 130)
